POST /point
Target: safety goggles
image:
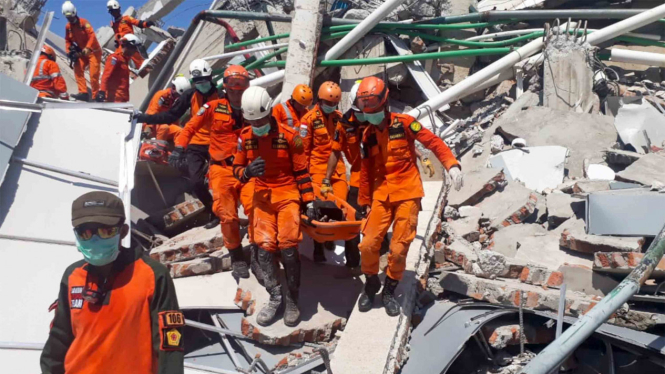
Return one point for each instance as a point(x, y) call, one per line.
point(236, 82)
point(86, 232)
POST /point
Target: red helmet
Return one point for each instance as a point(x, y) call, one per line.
point(372, 94)
point(236, 77)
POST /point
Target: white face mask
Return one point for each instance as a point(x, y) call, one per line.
point(261, 131)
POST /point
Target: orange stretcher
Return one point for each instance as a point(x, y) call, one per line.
point(330, 231)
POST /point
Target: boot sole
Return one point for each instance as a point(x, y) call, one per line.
point(292, 324)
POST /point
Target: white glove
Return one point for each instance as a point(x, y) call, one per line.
point(456, 176)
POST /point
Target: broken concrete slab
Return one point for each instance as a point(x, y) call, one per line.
point(568, 78)
point(183, 212)
point(467, 227)
point(483, 263)
point(574, 237)
point(627, 212)
point(583, 279)
point(197, 266)
point(477, 185)
point(585, 135)
point(622, 263)
point(325, 304)
point(506, 241)
point(538, 168)
point(513, 205)
point(560, 207)
point(500, 334)
point(591, 186)
point(598, 172)
point(188, 245)
point(640, 125)
point(206, 291)
point(541, 276)
point(546, 251)
point(647, 170)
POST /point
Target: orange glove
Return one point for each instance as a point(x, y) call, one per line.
point(326, 188)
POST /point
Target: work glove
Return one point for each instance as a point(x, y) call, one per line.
point(86, 51)
point(326, 187)
point(101, 97)
point(255, 169)
point(427, 164)
point(308, 210)
point(139, 116)
point(362, 212)
point(150, 23)
point(175, 158)
point(456, 176)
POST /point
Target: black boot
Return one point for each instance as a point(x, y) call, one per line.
point(274, 288)
point(238, 263)
point(330, 246)
point(372, 286)
point(83, 96)
point(319, 256)
point(388, 296)
point(254, 263)
point(214, 221)
point(291, 261)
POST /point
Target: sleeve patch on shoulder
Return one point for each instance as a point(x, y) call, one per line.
point(113, 60)
point(415, 126)
point(303, 130)
point(202, 109)
point(171, 324)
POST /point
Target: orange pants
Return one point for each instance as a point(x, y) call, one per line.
point(404, 214)
point(92, 61)
point(276, 225)
point(168, 132)
point(136, 58)
point(340, 187)
point(44, 94)
point(227, 191)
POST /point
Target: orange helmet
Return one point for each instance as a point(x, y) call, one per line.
point(372, 94)
point(236, 77)
point(330, 91)
point(48, 51)
point(303, 95)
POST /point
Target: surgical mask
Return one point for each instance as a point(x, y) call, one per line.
point(203, 87)
point(327, 109)
point(99, 252)
point(261, 131)
point(375, 118)
point(360, 116)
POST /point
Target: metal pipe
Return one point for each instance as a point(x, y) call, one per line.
point(205, 326)
point(60, 170)
point(209, 369)
point(107, 107)
point(225, 342)
point(637, 57)
point(24, 346)
point(557, 351)
point(562, 309)
point(531, 15)
point(258, 16)
point(259, 62)
point(627, 25)
point(238, 53)
point(38, 47)
point(37, 240)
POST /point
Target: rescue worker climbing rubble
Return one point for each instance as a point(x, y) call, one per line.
point(390, 182)
point(47, 78)
point(196, 156)
point(317, 130)
point(223, 117)
point(82, 44)
point(115, 81)
point(273, 155)
point(163, 101)
point(291, 111)
point(116, 310)
point(123, 25)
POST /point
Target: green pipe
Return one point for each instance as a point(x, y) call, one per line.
point(265, 58)
point(255, 41)
point(406, 58)
point(641, 41)
point(466, 43)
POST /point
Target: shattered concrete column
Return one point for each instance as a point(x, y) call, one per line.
point(303, 45)
point(568, 81)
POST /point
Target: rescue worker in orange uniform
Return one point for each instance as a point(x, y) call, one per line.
point(47, 78)
point(196, 156)
point(292, 110)
point(273, 155)
point(224, 119)
point(115, 81)
point(116, 310)
point(163, 101)
point(317, 130)
point(79, 34)
point(390, 181)
point(123, 25)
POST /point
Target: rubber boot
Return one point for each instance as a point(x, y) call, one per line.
point(83, 96)
point(214, 221)
point(254, 263)
point(330, 245)
point(372, 286)
point(388, 296)
point(291, 261)
point(238, 263)
point(271, 282)
point(319, 256)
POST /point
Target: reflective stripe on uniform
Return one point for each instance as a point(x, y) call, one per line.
point(289, 118)
point(41, 75)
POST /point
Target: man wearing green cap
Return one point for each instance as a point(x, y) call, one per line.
point(117, 310)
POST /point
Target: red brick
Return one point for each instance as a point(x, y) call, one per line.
point(525, 274)
point(555, 279)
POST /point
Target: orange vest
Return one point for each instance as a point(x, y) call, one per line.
point(47, 78)
point(317, 131)
point(347, 138)
point(286, 115)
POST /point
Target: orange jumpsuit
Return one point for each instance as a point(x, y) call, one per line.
point(115, 81)
point(48, 80)
point(123, 26)
point(317, 131)
point(390, 171)
point(277, 193)
point(83, 35)
point(285, 114)
point(224, 125)
point(161, 102)
point(347, 138)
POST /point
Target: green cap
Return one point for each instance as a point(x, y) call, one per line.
point(98, 207)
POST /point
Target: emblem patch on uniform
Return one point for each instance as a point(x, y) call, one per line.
point(279, 143)
point(303, 130)
point(173, 338)
point(170, 328)
point(221, 108)
point(415, 126)
point(77, 297)
point(239, 144)
point(173, 318)
point(113, 60)
point(161, 101)
point(202, 109)
point(318, 124)
point(396, 122)
point(251, 144)
point(297, 142)
point(396, 133)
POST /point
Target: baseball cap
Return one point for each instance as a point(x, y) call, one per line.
point(98, 207)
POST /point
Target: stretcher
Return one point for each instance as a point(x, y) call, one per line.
point(331, 231)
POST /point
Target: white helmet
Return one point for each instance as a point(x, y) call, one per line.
point(132, 39)
point(255, 103)
point(200, 68)
point(352, 96)
point(181, 84)
point(68, 9)
point(113, 4)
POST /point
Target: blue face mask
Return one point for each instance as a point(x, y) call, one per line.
point(98, 251)
point(360, 116)
point(327, 109)
point(203, 87)
point(262, 130)
point(375, 118)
